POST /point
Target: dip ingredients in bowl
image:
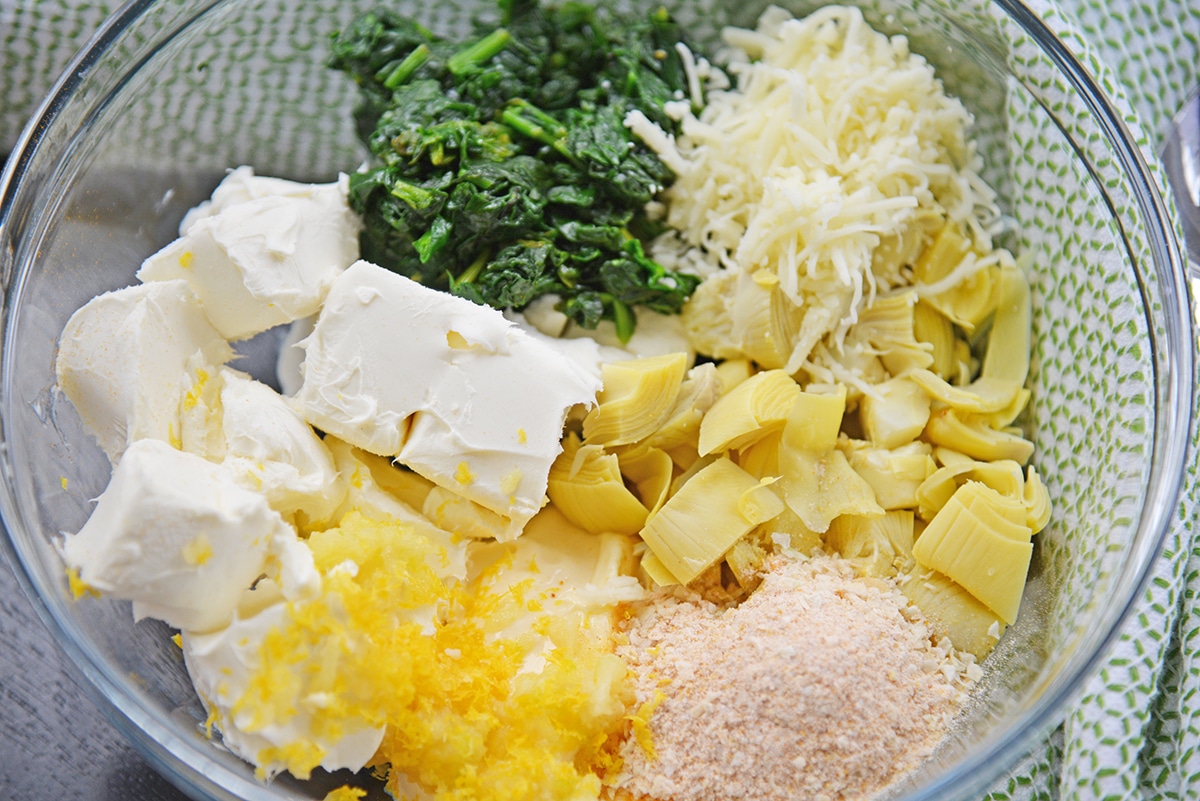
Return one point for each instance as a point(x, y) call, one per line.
point(488, 556)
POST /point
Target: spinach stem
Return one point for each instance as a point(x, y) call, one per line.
point(405, 69)
point(476, 267)
point(473, 55)
point(623, 317)
point(415, 196)
point(542, 128)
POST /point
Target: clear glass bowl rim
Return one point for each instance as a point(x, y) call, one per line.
point(186, 762)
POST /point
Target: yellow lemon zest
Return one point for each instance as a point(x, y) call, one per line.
point(78, 586)
point(395, 645)
point(198, 551)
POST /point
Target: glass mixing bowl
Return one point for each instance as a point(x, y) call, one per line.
point(169, 94)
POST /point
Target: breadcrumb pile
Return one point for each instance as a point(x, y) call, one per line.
point(820, 685)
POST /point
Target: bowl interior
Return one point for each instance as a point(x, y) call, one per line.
point(178, 92)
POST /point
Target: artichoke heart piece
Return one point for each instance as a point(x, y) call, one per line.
point(815, 420)
point(944, 253)
point(698, 464)
point(983, 396)
point(707, 317)
point(684, 456)
point(745, 560)
point(1002, 475)
point(973, 300)
point(1003, 514)
point(748, 412)
point(800, 537)
point(700, 390)
point(651, 471)
point(895, 475)
point(656, 572)
point(733, 372)
point(701, 522)
point(948, 457)
point(973, 541)
point(971, 292)
point(819, 487)
point(637, 399)
point(930, 327)
point(877, 546)
point(752, 319)
point(1005, 417)
point(586, 485)
point(1037, 501)
point(897, 250)
point(761, 459)
point(1007, 355)
point(895, 412)
point(954, 613)
point(788, 327)
point(965, 363)
point(888, 328)
point(975, 438)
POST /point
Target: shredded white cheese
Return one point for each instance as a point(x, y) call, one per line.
point(835, 150)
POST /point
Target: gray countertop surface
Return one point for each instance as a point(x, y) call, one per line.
point(55, 744)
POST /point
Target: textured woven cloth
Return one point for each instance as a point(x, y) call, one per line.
point(1134, 731)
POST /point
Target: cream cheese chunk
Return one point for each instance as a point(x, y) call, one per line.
point(242, 185)
point(269, 448)
point(123, 356)
point(222, 664)
point(262, 442)
point(451, 389)
point(256, 259)
point(174, 534)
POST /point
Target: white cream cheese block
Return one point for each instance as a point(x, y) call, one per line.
point(270, 448)
point(122, 359)
point(174, 534)
point(261, 260)
point(241, 185)
point(451, 389)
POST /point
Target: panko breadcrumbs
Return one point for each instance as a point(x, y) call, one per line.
point(821, 685)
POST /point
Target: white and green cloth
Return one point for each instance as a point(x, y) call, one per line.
point(1134, 732)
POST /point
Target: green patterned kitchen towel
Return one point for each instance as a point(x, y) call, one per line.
point(1162, 69)
point(37, 39)
point(1128, 735)
point(1133, 731)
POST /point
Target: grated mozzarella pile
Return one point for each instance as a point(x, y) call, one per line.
point(829, 165)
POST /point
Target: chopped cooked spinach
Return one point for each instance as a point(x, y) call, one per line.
point(503, 167)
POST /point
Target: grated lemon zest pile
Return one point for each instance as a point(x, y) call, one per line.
point(462, 719)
